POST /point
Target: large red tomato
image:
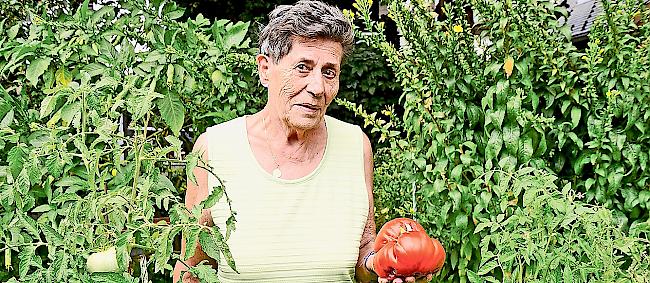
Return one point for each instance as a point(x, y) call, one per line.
point(403, 249)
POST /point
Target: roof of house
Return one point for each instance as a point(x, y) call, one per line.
point(582, 14)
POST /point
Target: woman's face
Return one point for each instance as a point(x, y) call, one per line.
point(304, 82)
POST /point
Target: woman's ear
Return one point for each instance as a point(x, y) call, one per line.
point(263, 66)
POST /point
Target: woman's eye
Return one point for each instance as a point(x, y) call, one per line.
point(330, 74)
point(302, 67)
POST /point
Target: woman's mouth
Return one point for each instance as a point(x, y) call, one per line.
point(309, 108)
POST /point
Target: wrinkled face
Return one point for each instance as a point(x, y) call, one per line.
point(304, 82)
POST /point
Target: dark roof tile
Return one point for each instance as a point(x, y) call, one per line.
point(582, 14)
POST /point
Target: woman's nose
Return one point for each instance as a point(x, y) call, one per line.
point(316, 84)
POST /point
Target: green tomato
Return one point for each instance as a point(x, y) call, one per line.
point(105, 261)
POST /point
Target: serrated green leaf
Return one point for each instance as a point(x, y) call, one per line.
point(55, 165)
point(235, 34)
point(52, 237)
point(163, 182)
point(205, 273)
point(526, 151)
point(217, 78)
point(567, 275)
point(58, 266)
point(25, 260)
point(473, 277)
point(69, 112)
point(163, 251)
point(208, 244)
point(47, 105)
point(13, 31)
point(191, 236)
point(214, 197)
point(482, 226)
point(228, 256)
point(455, 195)
point(487, 267)
point(65, 197)
point(494, 145)
point(420, 162)
point(461, 221)
point(29, 224)
point(16, 158)
point(7, 120)
point(122, 257)
point(457, 172)
point(42, 208)
point(22, 184)
point(172, 111)
point(36, 68)
point(493, 68)
point(192, 161)
point(230, 226)
point(511, 135)
point(175, 14)
point(170, 74)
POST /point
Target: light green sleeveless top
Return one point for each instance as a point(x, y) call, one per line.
point(303, 230)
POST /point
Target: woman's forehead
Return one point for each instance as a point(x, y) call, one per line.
point(316, 49)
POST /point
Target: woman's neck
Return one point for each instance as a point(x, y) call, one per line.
point(280, 132)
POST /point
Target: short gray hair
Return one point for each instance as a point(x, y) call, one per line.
point(308, 19)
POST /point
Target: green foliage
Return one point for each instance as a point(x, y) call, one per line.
point(71, 181)
point(366, 80)
point(483, 103)
point(552, 236)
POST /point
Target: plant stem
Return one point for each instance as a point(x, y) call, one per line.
point(138, 160)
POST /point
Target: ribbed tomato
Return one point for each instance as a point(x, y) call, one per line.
point(403, 249)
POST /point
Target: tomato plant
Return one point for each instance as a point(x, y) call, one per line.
point(94, 131)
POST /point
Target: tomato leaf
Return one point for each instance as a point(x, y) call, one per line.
point(36, 68)
point(192, 160)
point(208, 244)
point(191, 236)
point(487, 267)
point(172, 110)
point(214, 197)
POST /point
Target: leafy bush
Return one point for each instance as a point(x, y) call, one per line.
point(367, 80)
point(72, 180)
point(510, 91)
point(552, 236)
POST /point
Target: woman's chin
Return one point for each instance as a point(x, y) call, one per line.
point(305, 122)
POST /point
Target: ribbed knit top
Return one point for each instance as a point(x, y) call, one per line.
point(303, 230)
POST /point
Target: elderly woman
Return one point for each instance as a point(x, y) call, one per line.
point(300, 181)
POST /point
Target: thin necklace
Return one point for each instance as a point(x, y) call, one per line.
point(276, 172)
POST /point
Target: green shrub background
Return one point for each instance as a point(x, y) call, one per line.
point(501, 113)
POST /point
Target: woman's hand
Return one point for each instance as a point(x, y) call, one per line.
point(409, 279)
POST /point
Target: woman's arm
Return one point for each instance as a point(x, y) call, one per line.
point(194, 195)
point(362, 273)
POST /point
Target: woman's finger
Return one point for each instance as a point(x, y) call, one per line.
point(410, 279)
point(429, 277)
point(382, 280)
